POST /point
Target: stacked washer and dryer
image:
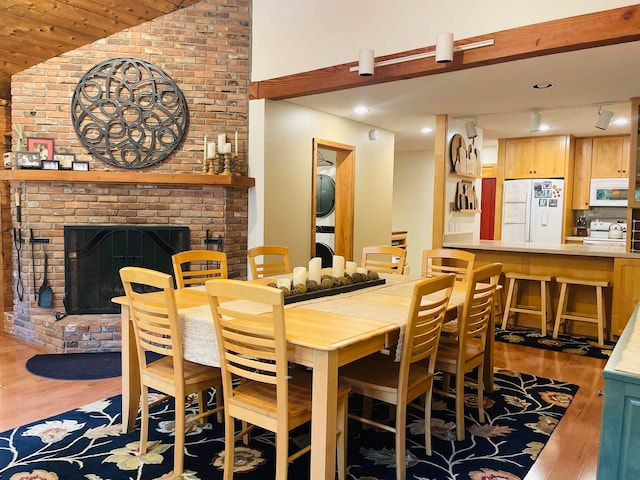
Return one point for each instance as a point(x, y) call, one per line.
point(325, 207)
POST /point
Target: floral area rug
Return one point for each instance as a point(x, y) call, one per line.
point(564, 343)
point(86, 443)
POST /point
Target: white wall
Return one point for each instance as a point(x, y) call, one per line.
point(413, 202)
point(287, 172)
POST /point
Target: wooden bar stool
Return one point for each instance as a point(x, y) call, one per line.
point(599, 318)
point(512, 307)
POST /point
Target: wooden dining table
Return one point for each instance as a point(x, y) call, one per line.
point(323, 334)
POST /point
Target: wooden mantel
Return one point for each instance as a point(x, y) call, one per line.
point(25, 175)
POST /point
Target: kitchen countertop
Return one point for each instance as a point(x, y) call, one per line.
point(551, 249)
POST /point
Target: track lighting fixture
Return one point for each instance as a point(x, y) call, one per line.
point(443, 53)
point(536, 119)
point(470, 128)
point(604, 118)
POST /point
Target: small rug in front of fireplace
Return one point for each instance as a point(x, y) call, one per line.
point(78, 366)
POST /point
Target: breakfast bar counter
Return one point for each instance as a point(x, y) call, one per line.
point(589, 262)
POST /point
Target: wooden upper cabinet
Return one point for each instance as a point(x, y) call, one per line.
point(582, 173)
point(610, 157)
point(518, 158)
point(536, 157)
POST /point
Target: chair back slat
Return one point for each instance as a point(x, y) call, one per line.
point(269, 260)
point(194, 267)
point(384, 259)
point(446, 260)
point(252, 346)
point(154, 316)
point(479, 305)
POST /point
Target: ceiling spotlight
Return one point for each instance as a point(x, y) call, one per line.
point(366, 63)
point(426, 130)
point(444, 47)
point(604, 118)
point(470, 127)
point(534, 125)
point(361, 110)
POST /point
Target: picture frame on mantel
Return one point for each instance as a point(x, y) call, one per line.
point(80, 166)
point(28, 160)
point(44, 147)
point(66, 160)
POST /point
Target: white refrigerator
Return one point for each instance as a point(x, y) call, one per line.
point(532, 210)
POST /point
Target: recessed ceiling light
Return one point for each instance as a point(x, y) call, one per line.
point(541, 86)
point(427, 130)
point(361, 110)
point(620, 121)
point(544, 127)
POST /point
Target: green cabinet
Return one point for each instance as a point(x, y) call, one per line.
point(619, 457)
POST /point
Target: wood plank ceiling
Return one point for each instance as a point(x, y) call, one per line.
point(32, 31)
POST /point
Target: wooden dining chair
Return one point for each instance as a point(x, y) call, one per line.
point(194, 267)
point(380, 377)
point(384, 259)
point(268, 260)
point(459, 356)
point(437, 261)
point(448, 260)
point(156, 327)
point(253, 349)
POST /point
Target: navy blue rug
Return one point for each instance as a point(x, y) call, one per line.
point(574, 345)
point(521, 415)
point(79, 366)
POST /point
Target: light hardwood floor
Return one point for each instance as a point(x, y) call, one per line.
point(571, 453)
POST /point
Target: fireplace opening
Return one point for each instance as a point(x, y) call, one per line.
point(94, 256)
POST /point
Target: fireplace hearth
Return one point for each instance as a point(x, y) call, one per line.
point(94, 256)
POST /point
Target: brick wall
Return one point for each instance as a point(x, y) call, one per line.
point(205, 50)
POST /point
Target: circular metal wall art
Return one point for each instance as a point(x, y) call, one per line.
point(129, 113)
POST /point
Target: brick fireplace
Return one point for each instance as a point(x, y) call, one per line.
point(205, 50)
point(208, 211)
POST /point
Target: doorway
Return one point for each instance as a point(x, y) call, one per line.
point(332, 191)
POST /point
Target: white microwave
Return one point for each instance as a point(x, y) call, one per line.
point(609, 192)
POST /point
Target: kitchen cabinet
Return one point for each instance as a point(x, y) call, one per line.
point(620, 427)
point(582, 173)
point(626, 292)
point(536, 157)
point(610, 157)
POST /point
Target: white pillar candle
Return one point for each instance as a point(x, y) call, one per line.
point(351, 267)
point(299, 275)
point(362, 270)
point(338, 266)
point(211, 149)
point(227, 148)
point(284, 282)
point(315, 267)
point(222, 139)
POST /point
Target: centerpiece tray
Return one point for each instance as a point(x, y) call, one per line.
point(326, 292)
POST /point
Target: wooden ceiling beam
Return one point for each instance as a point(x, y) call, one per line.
point(564, 35)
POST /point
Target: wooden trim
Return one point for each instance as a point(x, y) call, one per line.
point(441, 166)
point(65, 176)
point(597, 29)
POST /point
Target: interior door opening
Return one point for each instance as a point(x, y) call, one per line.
point(332, 215)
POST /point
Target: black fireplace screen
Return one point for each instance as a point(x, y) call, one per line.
point(94, 256)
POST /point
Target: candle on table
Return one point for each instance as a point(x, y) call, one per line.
point(299, 275)
point(351, 267)
point(211, 149)
point(284, 282)
point(361, 270)
point(315, 267)
point(222, 139)
point(227, 148)
point(338, 266)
